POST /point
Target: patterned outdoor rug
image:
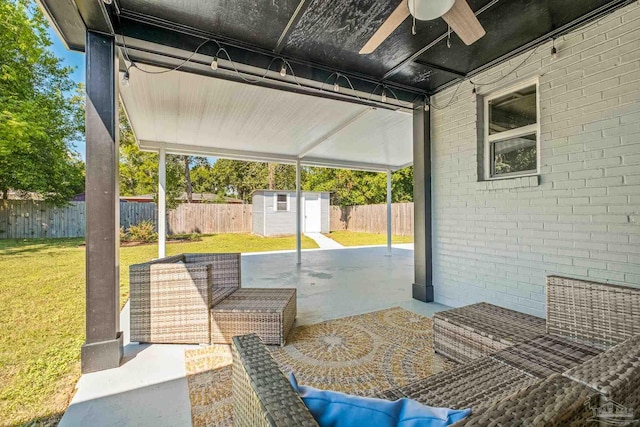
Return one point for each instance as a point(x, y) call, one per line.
point(360, 354)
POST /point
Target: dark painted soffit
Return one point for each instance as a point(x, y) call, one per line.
point(320, 37)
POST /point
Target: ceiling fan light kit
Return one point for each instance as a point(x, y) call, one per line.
point(426, 10)
point(456, 13)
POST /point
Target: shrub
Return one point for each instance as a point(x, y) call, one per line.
point(124, 237)
point(142, 232)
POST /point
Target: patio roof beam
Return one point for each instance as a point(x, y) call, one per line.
point(201, 65)
point(96, 15)
point(338, 164)
point(441, 68)
point(137, 27)
point(252, 156)
point(71, 30)
point(197, 150)
point(302, 6)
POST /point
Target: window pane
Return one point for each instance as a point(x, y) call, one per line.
point(281, 202)
point(512, 111)
point(514, 155)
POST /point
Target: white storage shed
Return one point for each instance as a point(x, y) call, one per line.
point(274, 212)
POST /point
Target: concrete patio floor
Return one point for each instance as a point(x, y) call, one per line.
point(150, 388)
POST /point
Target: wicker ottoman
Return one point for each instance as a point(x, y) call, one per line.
point(269, 313)
point(467, 333)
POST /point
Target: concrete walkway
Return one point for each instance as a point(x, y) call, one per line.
point(323, 241)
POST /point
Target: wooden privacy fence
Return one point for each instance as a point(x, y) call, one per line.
point(25, 219)
point(373, 218)
point(210, 219)
point(29, 219)
point(135, 213)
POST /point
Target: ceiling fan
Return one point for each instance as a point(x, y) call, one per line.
point(456, 13)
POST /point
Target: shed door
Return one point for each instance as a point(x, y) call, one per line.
point(312, 213)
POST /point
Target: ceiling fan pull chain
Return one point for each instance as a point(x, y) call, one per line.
point(448, 36)
point(413, 19)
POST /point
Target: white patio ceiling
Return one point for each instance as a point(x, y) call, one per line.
point(197, 115)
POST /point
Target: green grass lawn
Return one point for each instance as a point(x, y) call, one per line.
point(352, 238)
point(42, 297)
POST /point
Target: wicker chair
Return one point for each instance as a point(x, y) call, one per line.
point(558, 378)
point(197, 299)
point(170, 297)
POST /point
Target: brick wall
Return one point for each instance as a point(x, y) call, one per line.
point(497, 241)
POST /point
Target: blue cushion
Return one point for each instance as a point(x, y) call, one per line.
point(335, 409)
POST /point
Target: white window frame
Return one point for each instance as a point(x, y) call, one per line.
point(514, 133)
point(275, 202)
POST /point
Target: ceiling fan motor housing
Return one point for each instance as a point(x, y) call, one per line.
point(426, 10)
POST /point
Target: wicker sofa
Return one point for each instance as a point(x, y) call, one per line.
point(588, 356)
point(198, 299)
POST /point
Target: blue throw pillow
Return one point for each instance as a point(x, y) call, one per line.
point(335, 409)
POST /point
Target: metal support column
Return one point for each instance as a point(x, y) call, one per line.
point(103, 346)
point(298, 214)
point(162, 203)
point(389, 212)
point(423, 282)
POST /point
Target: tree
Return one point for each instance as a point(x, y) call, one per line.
point(40, 116)
point(187, 177)
point(241, 179)
point(402, 185)
point(350, 188)
point(139, 169)
point(202, 178)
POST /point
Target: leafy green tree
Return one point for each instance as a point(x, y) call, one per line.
point(402, 185)
point(40, 116)
point(139, 169)
point(240, 179)
point(350, 188)
point(202, 178)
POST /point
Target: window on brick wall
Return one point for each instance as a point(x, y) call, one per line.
point(512, 132)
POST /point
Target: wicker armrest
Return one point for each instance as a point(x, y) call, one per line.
point(556, 401)
point(157, 269)
point(262, 395)
point(615, 374)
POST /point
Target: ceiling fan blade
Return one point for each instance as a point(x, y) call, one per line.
point(393, 21)
point(463, 21)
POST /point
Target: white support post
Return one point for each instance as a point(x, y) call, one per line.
point(162, 203)
point(298, 214)
point(389, 212)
